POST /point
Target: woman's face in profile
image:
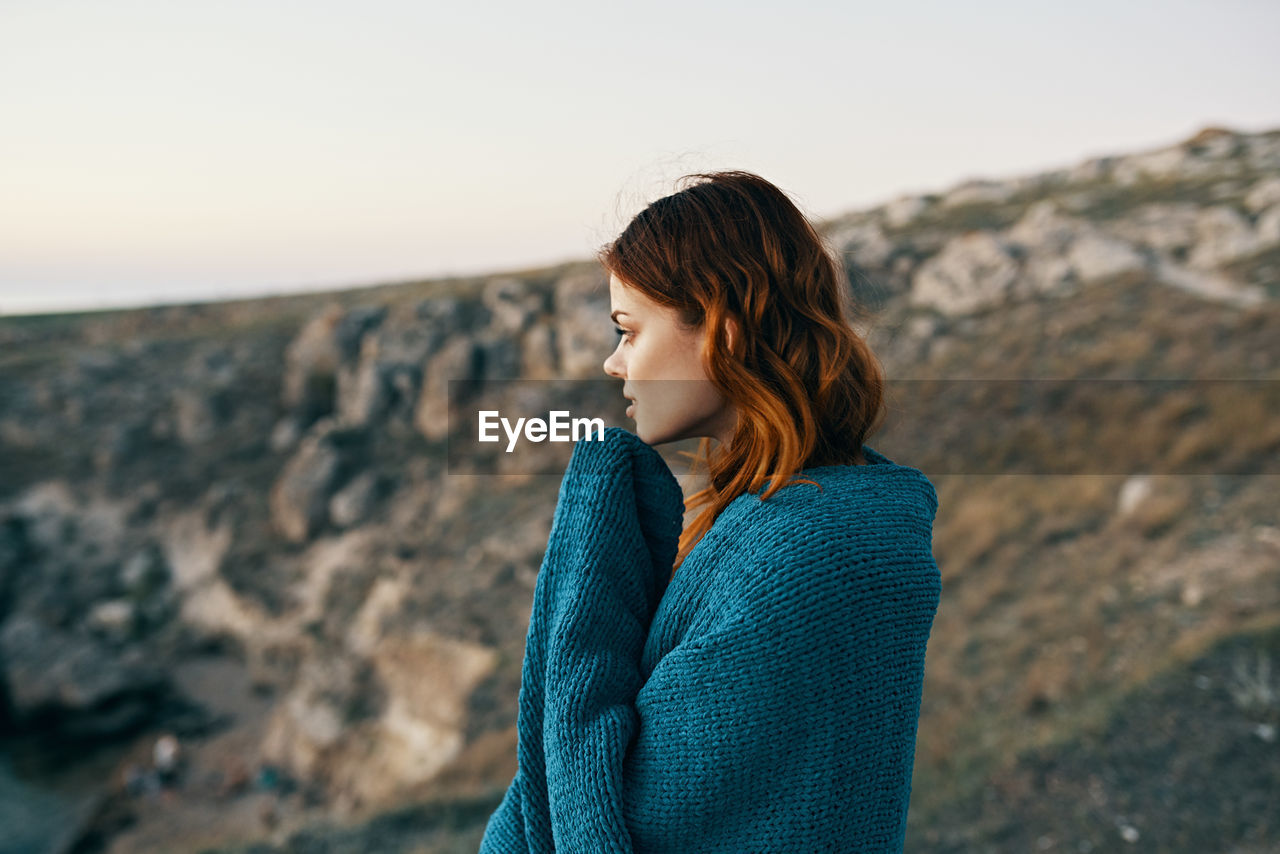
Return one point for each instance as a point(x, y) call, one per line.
point(660, 364)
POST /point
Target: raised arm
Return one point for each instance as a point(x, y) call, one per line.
point(609, 556)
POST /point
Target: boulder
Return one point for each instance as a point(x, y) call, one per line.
point(901, 211)
point(1268, 227)
point(457, 361)
point(352, 504)
point(374, 728)
point(971, 271)
point(386, 379)
point(1223, 235)
point(73, 679)
point(1169, 227)
point(364, 389)
point(330, 339)
point(513, 304)
point(1095, 255)
point(1263, 194)
point(865, 243)
point(300, 497)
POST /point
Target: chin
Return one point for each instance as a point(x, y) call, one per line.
point(671, 426)
point(652, 436)
point(645, 434)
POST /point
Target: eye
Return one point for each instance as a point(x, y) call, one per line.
point(623, 333)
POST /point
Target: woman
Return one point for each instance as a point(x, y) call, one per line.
point(750, 682)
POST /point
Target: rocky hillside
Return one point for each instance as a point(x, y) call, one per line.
point(238, 523)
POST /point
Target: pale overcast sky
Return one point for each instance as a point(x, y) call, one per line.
point(176, 151)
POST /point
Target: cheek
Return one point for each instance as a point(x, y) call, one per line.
point(665, 357)
point(644, 359)
point(684, 358)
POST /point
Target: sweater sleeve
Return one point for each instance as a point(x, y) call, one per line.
point(622, 513)
point(613, 541)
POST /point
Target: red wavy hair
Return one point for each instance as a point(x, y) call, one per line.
point(807, 386)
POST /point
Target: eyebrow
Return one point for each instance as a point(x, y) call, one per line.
point(614, 315)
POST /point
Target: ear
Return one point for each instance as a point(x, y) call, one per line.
point(731, 331)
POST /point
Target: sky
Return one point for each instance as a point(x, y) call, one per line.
point(165, 152)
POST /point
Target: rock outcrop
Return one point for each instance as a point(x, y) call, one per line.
point(283, 494)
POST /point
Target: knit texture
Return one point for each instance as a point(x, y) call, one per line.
point(765, 700)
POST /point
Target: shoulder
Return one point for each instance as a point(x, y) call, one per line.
point(823, 508)
point(845, 539)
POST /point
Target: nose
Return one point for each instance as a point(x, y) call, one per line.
point(613, 366)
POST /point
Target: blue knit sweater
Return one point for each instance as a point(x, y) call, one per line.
point(764, 700)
